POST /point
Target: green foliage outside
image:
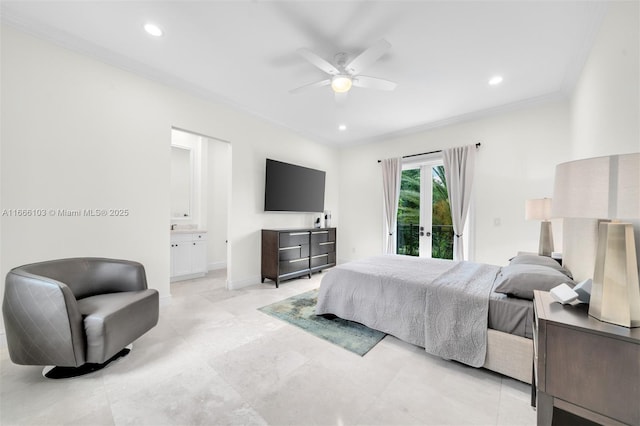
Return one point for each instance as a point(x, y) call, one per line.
point(409, 215)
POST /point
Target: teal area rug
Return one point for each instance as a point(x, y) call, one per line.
point(300, 311)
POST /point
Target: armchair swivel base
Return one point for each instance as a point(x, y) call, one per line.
point(53, 372)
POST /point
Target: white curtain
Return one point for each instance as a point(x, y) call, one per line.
point(391, 175)
point(458, 170)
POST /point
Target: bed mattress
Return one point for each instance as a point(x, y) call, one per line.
point(511, 315)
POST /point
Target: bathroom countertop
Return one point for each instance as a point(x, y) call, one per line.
point(188, 231)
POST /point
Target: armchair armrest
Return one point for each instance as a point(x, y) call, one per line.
point(42, 321)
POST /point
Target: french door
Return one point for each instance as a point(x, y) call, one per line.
point(424, 217)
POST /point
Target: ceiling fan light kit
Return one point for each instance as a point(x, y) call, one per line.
point(344, 75)
point(341, 83)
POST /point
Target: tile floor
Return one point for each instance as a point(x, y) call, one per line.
point(214, 359)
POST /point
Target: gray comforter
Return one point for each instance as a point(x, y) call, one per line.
point(440, 305)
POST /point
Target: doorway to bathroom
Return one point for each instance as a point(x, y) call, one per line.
point(200, 193)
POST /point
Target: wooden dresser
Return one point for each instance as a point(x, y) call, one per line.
point(583, 366)
point(291, 253)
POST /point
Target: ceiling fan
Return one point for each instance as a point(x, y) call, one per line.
point(344, 75)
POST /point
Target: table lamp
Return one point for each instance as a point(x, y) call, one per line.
point(606, 188)
point(540, 209)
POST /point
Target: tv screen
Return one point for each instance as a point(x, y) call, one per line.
point(291, 188)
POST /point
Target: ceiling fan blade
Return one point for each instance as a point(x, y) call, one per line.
point(310, 86)
point(373, 83)
point(318, 61)
point(340, 98)
point(367, 57)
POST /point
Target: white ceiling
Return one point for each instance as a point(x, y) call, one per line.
point(244, 53)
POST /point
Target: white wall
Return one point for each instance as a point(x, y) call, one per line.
point(515, 162)
point(606, 101)
point(219, 173)
point(79, 134)
point(605, 105)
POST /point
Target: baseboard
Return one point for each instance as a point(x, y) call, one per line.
point(165, 300)
point(186, 277)
point(214, 266)
point(245, 282)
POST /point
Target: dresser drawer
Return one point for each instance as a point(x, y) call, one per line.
point(323, 260)
point(322, 248)
point(288, 239)
point(319, 260)
point(324, 235)
point(293, 252)
point(294, 265)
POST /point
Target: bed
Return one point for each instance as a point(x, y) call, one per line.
point(477, 314)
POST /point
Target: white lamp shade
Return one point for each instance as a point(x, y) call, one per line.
point(598, 188)
point(538, 209)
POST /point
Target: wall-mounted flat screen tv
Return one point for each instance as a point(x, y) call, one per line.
point(291, 188)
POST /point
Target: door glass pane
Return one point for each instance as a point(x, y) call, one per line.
point(442, 227)
point(438, 243)
point(409, 213)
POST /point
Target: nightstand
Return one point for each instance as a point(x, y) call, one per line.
point(584, 366)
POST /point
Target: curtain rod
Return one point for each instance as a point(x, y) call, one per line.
point(427, 153)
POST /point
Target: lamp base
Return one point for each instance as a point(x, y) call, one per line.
point(615, 292)
point(545, 247)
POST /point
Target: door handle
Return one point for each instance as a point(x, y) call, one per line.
point(422, 233)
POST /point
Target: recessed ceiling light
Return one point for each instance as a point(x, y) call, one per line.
point(495, 80)
point(342, 127)
point(153, 29)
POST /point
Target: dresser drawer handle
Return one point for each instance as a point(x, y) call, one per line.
point(299, 260)
point(320, 255)
point(293, 234)
point(320, 232)
point(289, 248)
point(328, 242)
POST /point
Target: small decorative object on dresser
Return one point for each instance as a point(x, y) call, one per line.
point(292, 253)
point(584, 366)
point(327, 218)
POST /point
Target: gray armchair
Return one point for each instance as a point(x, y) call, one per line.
point(79, 313)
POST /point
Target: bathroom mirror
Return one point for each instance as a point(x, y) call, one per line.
point(181, 182)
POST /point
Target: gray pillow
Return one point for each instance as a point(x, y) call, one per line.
point(534, 259)
point(520, 280)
